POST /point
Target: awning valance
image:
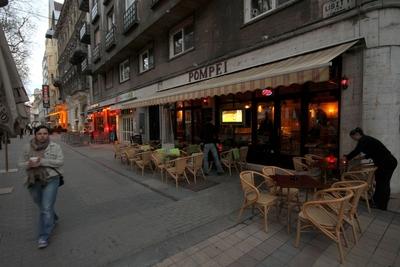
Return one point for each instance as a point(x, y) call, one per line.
point(312, 66)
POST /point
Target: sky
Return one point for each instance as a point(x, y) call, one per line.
point(38, 45)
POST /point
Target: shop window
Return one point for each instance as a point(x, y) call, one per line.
point(323, 123)
point(256, 8)
point(290, 136)
point(265, 122)
point(146, 59)
point(182, 38)
point(124, 71)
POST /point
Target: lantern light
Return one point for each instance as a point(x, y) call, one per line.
point(344, 82)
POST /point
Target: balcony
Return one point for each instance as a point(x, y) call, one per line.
point(84, 5)
point(79, 53)
point(95, 12)
point(110, 38)
point(130, 17)
point(85, 67)
point(84, 33)
point(96, 53)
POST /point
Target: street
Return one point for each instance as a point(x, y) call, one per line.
point(109, 215)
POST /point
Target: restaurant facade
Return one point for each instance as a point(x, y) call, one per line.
point(283, 94)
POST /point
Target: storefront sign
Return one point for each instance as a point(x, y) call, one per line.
point(207, 72)
point(125, 97)
point(46, 96)
point(116, 100)
point(333, 7)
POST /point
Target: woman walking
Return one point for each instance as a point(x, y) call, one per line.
point(42, 160)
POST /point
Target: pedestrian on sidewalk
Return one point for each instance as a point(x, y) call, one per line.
point(42, 160)
point(383, 159)
point(209, 137)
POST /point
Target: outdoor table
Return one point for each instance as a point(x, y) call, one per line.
point(305, 182)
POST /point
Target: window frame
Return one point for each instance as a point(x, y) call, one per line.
point(121, 69)
point(141, 65)
point(181, 28)
point(247, 10)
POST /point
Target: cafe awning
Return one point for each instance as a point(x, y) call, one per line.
point(13, 114)
point(313, 66)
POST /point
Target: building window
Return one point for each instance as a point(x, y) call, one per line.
point(182, 39)
point(110, 19)
point(97, 36)
point(109, 79)
point(128, 3)
point(256, 8)
point(146, 60)
point(124, 71)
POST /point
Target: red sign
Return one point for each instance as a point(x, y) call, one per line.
point(266, 92)
point(46, 96)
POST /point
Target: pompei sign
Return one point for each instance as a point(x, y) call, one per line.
point(207, 72)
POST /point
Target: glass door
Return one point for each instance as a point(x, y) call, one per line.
point(265, 123)
point(290, 130)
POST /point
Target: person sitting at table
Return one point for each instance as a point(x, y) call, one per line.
point(208, 136)
point(383, 159)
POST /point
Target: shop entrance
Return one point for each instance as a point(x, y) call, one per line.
point(154, 122)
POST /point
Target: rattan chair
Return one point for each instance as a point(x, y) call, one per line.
point(195, 165)
point(143, 160)
point(118, 149)
point(228, 162)
point(366, 174)
point(177, 169)
point(350, 215)
point(311, 159)
point(318, 214)
point(287, 196)
point(158, 161)
point(128, 155)
point(300, 164)
point(242, 161)
point(253, 197)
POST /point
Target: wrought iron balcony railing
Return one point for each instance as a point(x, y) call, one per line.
point(95, 12)
point(84, 33)
point(110, 38)
point(130, 17)
point(96, 53)
point(85, 67)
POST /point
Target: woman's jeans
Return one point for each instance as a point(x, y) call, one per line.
point(45, 198)
point(207, 148)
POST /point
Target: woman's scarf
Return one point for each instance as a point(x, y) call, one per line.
point(37, 174)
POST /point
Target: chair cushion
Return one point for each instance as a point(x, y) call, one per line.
point(266, 199)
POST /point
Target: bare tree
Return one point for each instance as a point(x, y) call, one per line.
point(16, 19)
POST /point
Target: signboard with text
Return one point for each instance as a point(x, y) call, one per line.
point(333, 7)
point(46, 96)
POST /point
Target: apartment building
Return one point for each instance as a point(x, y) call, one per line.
point(285, 77)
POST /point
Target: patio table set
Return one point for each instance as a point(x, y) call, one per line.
point(334, 204)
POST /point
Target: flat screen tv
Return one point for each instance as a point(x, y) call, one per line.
point(232, 116)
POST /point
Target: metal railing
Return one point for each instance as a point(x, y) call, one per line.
point(95, 12)
point(110, 38)
point(130, 17)
point(84, 33)
point(96, 53)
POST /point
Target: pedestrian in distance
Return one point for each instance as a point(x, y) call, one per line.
point(383, 159)
point(42, 160)
point(209, 137)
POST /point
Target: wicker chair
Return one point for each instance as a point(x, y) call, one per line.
point(195, 165)
point(228, 161)
point(128, 155)
point(366, 174)
point(253, 197)
point(158, 161)
point(350, 215)
point(287, 196)
point(118, 150)
point(143, 160)
point(300, 164)
point(242, 161)
point(318, 214)
point(177, 169)
point(312, 158)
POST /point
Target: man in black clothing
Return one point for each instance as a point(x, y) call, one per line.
point(383, 159)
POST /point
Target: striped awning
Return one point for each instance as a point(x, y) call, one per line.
point(295, 70)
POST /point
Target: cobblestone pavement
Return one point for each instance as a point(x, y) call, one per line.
point(112, 216)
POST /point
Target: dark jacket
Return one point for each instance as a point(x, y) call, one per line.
point(208, 133)
point(373, 149)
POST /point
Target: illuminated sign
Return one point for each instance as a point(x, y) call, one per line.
point(266, 92)
point(46, 96)
point(232, 116)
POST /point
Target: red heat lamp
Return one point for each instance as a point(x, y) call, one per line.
point(344, 82)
